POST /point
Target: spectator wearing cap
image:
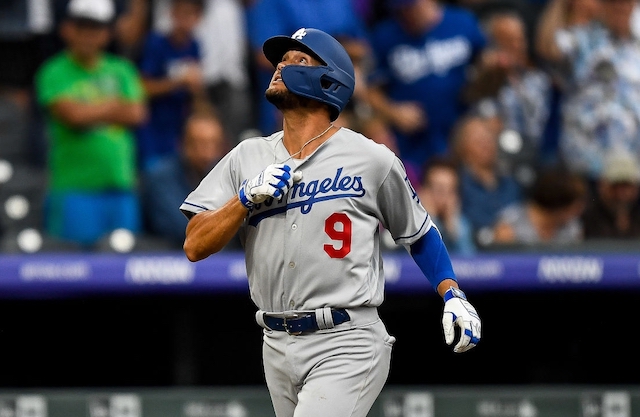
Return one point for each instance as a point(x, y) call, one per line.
point(615, 210)
point(92, 101)
point(129, 25)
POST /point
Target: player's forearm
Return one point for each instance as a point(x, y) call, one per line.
point(445, 285)
point(208, 232)
point(432, 257)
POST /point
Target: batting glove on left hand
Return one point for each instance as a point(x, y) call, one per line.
point(459, 312)
point(274, 181)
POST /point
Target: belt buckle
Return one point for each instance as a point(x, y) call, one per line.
point(286, 325)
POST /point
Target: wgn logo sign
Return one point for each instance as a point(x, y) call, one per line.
point(167, 270)
point(608, 404)
point(121, 405)
point(413, 404)
point(23, 406)
point(214, 409)
point(507, 408)
point(570, 269)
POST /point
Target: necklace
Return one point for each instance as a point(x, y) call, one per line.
point(306, 143)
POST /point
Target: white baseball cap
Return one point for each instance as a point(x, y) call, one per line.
point(101, 11)
point(621, 166)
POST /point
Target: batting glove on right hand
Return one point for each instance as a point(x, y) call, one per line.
point(274, 181)
point(459, 312)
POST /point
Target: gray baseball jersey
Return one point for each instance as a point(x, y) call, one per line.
point(319, 245)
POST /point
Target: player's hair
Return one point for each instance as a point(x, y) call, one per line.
point(331, 83)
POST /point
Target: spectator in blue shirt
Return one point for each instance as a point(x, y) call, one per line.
point(168, 182)
point(422, 57)
point(485, 187)
point(170, 67)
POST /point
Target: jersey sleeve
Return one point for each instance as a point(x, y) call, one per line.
point(402, 213)
point(218, 187)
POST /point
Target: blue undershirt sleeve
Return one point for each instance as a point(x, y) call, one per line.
point(431, 255)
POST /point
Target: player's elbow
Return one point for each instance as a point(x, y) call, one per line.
point(193, 252)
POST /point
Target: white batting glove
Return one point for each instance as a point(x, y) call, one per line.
point(459, 312)
point(274, 181)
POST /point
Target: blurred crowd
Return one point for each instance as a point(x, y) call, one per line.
point(518, 121)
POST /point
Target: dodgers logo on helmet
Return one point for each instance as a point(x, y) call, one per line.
point(331, 83)
point(300, 33)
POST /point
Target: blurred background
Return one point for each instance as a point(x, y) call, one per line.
point(518, 122)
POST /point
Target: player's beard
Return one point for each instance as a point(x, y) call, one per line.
point(286, 100)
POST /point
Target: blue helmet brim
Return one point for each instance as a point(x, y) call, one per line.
point(275, 47)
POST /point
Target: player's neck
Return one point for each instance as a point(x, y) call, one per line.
point(303, 136)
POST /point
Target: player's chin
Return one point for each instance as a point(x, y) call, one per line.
point(278, 95)
point(275, 87)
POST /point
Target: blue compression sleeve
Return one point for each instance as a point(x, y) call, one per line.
point(431, 255)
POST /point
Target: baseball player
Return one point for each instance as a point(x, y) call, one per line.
point(307, 202)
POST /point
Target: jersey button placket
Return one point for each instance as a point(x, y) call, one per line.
point(290, 249)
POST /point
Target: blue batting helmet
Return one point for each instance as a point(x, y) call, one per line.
point(331, 83)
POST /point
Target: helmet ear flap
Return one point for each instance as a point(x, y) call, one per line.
point(303, 80)
point(317, 83)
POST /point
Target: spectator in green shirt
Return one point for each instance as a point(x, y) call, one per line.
point(93, 100)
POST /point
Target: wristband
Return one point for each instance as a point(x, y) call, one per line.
point(242, 196)
point(454, 292)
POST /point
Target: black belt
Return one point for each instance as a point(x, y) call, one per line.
point(305, 322)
